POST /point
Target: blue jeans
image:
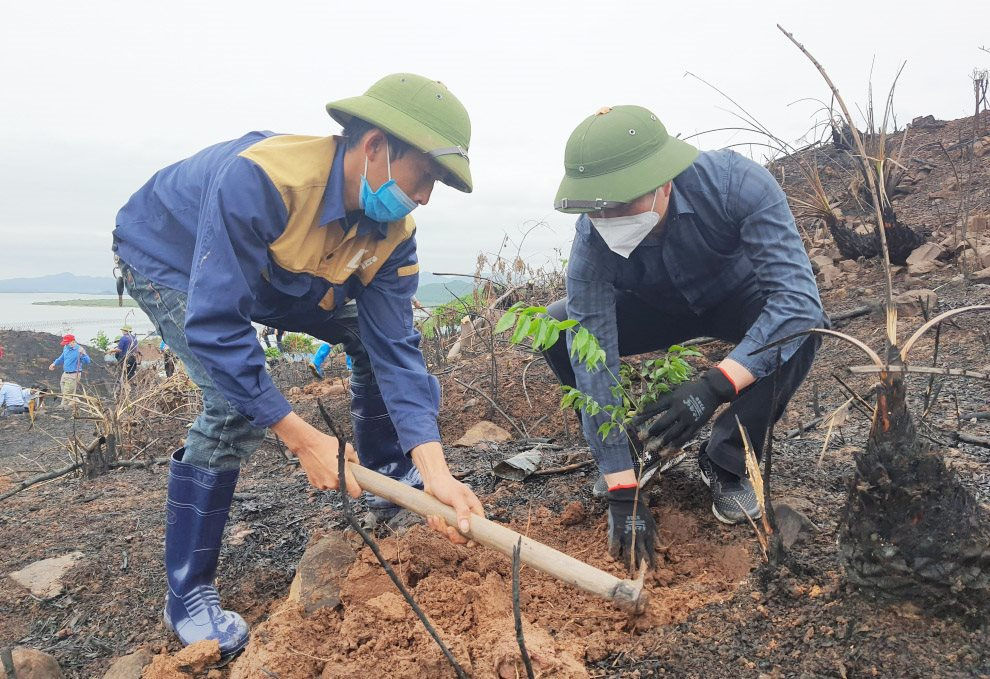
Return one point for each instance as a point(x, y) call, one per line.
point(644, 327)
point(221, 437)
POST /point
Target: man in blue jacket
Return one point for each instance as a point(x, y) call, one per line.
point(283, 230)
point(72, 360)
point(672, 244)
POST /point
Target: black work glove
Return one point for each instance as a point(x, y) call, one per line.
point(687, 408)
point(623, 522)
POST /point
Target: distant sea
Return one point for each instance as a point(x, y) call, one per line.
point(18, 312)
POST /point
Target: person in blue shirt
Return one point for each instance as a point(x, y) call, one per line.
point(72, 361)
point(126, 351)
point(12, 398)
point(283, 230)
point(673, 244)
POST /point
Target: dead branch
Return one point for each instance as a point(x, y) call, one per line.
point(27, 483)
point(874, 192)
point(522, 430)
point(970, 439)
point(927, 370)
point(561, 470)
point(370, 541)
point(516, 613)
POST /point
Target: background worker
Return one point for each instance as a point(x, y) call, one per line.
point(283, 230)
point(672, 244)
point(72, 360)
point(126, 351)
point(12, 400)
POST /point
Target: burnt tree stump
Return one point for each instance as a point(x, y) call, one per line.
point(910, 529)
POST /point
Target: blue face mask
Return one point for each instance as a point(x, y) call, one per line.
point(389, 203)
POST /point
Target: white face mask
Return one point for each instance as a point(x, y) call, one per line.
point(623, 234)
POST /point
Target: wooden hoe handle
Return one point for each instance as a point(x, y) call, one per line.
point(628, 595)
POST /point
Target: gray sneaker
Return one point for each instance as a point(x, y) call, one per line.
point(652, 467)
point(733, 498)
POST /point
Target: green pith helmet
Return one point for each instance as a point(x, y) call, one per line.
point(617, 155)
point(126, 328)
point(421, 112)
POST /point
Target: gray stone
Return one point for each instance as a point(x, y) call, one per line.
point(321, 571)
point(44, 577)
point(818, 262)
point(129, 666)
point(913, 302)
point(926, 252)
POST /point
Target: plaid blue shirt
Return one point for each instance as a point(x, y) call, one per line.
point(728, 219)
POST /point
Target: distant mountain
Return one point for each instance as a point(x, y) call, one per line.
point(433, 289)
point(61, 282)
point(434, 294)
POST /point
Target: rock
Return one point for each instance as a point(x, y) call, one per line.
point(850, 266)
point(926, 121)
point(793, 525)
point(981, 147)
point(321, 571)
point(921, 268)
point(32, 664)
point(129, 666)
point(295, 391)
point(981, 276)
point(978, 225)
point(820, 261)
point(483, 431)
point(44, 578)
point(913, 302)
point(828, 276)
point(926, 252)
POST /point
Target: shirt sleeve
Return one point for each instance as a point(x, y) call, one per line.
point(770, 239)
point(385, 321)
point(60, 360)
point(591, 302)
point(241, 214)
point(84, 359)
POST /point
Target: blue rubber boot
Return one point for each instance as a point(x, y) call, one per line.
point(316, 366)
point(196, 513)
point(377, 445)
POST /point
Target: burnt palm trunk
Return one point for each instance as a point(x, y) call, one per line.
point(911, 530)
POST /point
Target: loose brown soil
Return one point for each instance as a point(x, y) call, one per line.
point(714, 609)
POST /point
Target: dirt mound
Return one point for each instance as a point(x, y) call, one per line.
point(27, 356)
point(467, 595)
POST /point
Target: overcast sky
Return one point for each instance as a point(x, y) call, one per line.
point(98, 95)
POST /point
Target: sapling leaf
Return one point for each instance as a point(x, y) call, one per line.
point(507, 321)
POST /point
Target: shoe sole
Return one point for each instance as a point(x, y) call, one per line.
point(729, 522)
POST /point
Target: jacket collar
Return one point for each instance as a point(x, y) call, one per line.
point(333, 200)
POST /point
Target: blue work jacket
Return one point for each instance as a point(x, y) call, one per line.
point(254, 229)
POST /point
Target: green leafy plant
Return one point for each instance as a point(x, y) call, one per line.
point(272, 353)
point(633, 387)
point(298, 343)
point(101, 341)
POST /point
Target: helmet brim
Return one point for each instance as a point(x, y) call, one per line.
point(408, 129)
point(630, 182)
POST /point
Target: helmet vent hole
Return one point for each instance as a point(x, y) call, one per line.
point(580, 168)
point(632, 132)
